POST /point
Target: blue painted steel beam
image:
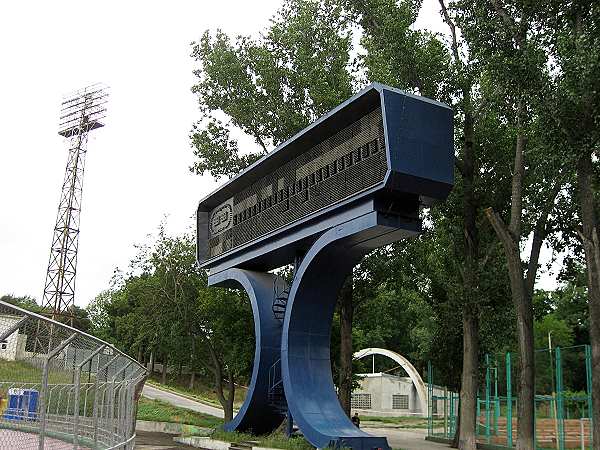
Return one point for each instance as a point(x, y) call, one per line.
point(257, 415)
point(285, 246)
point(305, 348)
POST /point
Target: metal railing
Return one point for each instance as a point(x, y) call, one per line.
point(61, 388)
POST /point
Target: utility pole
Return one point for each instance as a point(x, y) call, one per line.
point(81, 112)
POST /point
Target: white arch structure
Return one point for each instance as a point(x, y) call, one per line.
point(406, 365)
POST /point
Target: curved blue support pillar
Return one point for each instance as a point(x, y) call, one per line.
point(305, 349)
point(257, 415)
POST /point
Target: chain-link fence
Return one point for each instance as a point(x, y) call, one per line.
point(61, 388)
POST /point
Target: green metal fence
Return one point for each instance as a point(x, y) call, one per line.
point(442, 408)
point(563, 400)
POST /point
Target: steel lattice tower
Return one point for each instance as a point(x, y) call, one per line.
point(81, 112)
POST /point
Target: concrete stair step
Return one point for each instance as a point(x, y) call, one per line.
point(243, 445)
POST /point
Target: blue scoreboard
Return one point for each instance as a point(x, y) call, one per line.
point(382, 149)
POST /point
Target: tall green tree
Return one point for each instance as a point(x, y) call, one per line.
point(573, 36)
point(421, 62)
point(164, 307)
point(503, 37)
point(270, 88)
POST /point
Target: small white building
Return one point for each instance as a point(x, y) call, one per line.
point(382, 394)
point(13, 347)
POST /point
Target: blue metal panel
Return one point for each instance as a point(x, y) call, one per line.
point(305, 348)
point(257, 415)
point(419, 139)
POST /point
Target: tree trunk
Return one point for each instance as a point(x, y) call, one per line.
point(217, 369)
point(456, 439)
point(510, 237)
point(151, 363)
point(526, 399)
point(346, 317)
point(524, 308)
point(163, 378)
point(192, 364)
point(470, 373)
point(592, 259)
point(467, 440)
point(227, 409)
point(230, 398)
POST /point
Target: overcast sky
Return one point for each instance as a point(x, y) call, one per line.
point(137, 166)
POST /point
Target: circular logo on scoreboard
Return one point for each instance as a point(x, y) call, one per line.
point(221, 219)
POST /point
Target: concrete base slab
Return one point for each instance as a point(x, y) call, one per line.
point(211, 444)
point(203, 442)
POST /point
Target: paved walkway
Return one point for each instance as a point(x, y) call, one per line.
point(176, 400)
point(406, 439)
point(13, 439)
point(397, 437)
point(157, 441)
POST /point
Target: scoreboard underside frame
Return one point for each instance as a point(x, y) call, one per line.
point(382, 150)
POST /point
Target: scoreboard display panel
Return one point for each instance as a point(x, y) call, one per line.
point(348, 162)
point(367, 144)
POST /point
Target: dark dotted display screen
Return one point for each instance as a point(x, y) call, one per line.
point(341, 166)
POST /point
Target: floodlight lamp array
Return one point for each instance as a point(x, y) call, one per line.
point(83, 110)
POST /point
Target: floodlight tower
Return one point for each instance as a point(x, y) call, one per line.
point(81, 112)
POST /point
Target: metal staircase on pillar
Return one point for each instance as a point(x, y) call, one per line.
point(276, 393)
point(280, 299)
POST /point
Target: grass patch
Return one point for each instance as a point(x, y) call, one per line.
point(19, 371)
point(203, 391)
point(28, 374)
point(274, 440)
point(158, 411)
point(24, 372)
